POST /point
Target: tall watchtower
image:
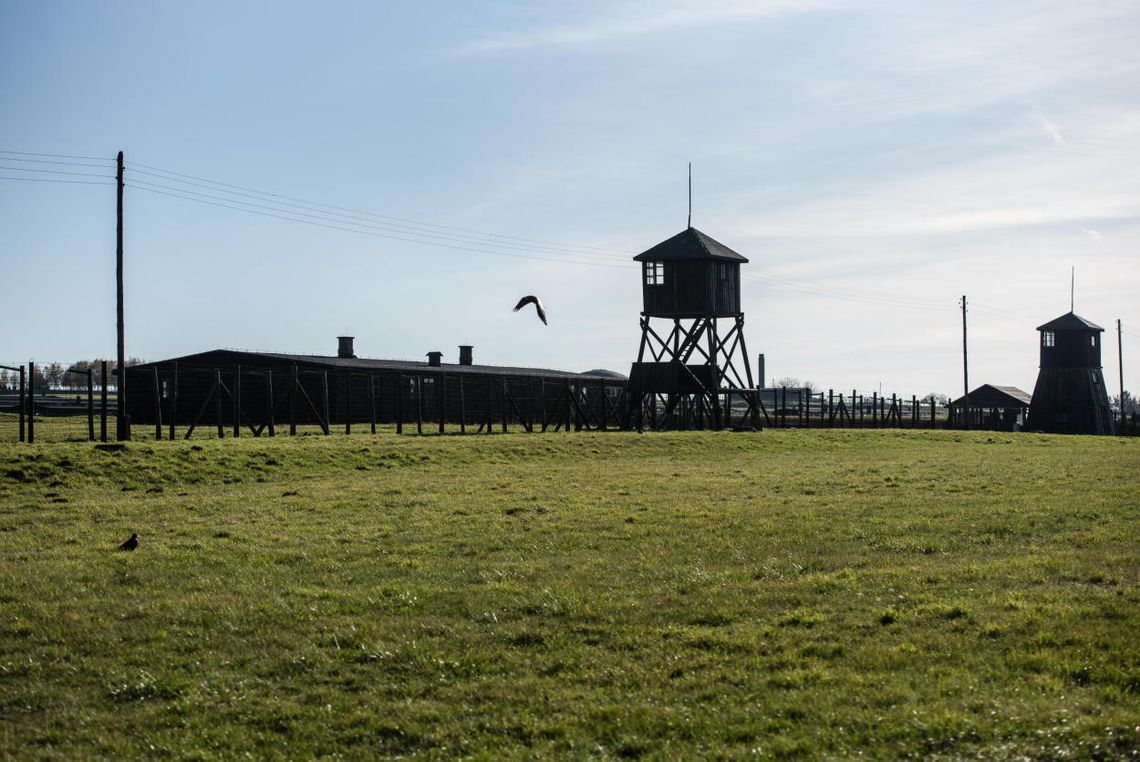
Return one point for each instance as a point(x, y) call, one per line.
point(688, 360)
point(1070, 396)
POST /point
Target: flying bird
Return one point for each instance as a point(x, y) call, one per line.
point(131, 543)
point(531, 299)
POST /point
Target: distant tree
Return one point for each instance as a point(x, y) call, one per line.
point(940, 399)
point(1129, 405)
point(75, 377)
point(794, 383)
point(53, 374)
point(3, 379)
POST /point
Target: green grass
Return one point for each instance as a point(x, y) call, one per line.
point(789, 594)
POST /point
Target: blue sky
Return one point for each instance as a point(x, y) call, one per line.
point(874, 160)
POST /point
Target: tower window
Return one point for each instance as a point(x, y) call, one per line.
point(1092, 341)
point(1048, 339)
point(723, 271)
point(654, 273)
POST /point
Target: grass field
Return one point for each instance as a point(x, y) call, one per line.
point(791, 593)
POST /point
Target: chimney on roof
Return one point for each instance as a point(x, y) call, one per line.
point(435, 359)
point(344, 347)
point(466, 354)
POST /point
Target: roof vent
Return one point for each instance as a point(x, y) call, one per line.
point(466, 354)
point(344, 347)
point(435, 359)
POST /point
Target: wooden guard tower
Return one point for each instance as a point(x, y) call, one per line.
point(1070, 396)
point(690, 370)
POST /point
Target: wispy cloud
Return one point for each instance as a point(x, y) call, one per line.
point(1052, 131)
point(1096, 235)
point(639, 19)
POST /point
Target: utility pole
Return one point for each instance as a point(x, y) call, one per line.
point(1120, 365)
point(122, 430)
point(965, 371)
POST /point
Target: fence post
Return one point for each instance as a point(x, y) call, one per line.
point(31, 402)
point(932, 411)
point(419, 404)
point(348, 402)
point(23, 404)
point(372, 401)
point(400, 403)
point(237, 401)
point(462, 408)
point(90, 405)
point(218, 402)
point(269, 401)
point(103, 402)
point(441, 396)
point(504, 398)
point(173, 401)
point(914, 411)
point(157, 404)
point(293, 402)
point(325, 399)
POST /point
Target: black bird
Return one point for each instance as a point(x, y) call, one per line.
point(531, 299)
point(131, 543)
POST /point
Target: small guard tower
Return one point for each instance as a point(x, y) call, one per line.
point(1070, 396)
point(689, 369)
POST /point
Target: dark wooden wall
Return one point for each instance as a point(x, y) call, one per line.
point(694, 288)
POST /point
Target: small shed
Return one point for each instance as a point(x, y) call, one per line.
point(997, 408)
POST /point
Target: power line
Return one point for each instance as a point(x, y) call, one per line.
point(368, 233)
point(357, 220)
point(52, 171)
point(49, 161)
point(52, 180)
point(376, 215)
point(58, 155)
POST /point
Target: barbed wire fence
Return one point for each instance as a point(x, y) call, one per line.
point(57, 402)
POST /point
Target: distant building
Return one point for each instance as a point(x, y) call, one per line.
point(996, 408)
point(261, 391)
point(1070, 396)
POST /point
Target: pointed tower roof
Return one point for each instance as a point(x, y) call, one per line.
point(689, 244)
point(1070, 321)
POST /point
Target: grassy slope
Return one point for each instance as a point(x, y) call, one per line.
point(930, 593)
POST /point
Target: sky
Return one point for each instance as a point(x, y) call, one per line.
point(403, 172)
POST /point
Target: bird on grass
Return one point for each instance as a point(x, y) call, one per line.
point(531, 299)
point(131, 543)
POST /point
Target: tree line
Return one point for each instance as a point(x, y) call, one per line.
point(55, 377)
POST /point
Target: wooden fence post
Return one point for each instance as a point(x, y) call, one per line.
point(400, 389)
point(31, 403)
point(157, 403)
point(24, 405)
point(102, 402)
point(90, 405)
point(237, 401)
point(173, 401)
point(441, 396)
point(462, 408)
point(372, 401)
point(293, 381)
point(490, 412)
point(348, 402)
point(419, 404)
point(325, 401)
point(503, 396)
point(218, 401)
point(269, 402)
